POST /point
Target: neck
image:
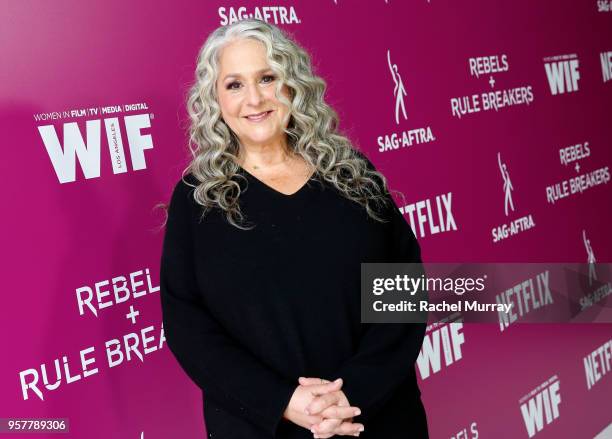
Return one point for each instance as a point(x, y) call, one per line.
point(263, 156)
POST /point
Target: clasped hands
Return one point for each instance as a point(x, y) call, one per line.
point(320, 406)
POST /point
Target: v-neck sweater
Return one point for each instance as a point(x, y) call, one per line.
point(246, 312)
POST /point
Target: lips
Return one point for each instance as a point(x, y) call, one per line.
point(258, 116)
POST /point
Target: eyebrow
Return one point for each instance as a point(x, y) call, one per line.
point(238, 75)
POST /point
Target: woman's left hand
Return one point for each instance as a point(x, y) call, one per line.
point(336, 410)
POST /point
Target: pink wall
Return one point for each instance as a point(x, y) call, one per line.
point(61, 236)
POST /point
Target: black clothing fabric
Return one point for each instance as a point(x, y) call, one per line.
point(247, 312)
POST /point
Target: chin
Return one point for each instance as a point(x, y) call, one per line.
point(263, 138)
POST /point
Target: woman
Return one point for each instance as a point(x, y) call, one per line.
point(260, 269)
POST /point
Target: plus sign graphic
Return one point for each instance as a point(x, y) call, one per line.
point(577, 167)
point(132, 314)
point(491, 81)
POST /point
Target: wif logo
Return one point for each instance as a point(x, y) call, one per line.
point(562, 73)
point(441, 343)
point(88, 150)
point(541, 404)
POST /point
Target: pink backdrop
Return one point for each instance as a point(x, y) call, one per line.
point(64, 231)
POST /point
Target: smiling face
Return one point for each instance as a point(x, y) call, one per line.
point(246, 87)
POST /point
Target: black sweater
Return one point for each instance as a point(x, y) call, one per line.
point(248, 312)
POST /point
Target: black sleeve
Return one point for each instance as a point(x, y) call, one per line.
point(231, 375)
point(387, 351)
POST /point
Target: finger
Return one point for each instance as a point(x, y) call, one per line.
point(320, 403)
point(312, 381)
point(349, 428)
point(338, 412)
point(304, 381)
point(327, 426)
point(314, 419)
point(320, 389)
point(345, 429)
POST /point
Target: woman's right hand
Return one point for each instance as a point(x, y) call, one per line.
point(303, 395)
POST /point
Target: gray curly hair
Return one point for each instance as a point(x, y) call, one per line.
point(312, 130)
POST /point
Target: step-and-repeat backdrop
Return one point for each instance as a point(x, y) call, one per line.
point(493, 118)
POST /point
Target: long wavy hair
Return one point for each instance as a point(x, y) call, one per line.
point(312, 130)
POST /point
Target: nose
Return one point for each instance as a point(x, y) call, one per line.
point(254, 95)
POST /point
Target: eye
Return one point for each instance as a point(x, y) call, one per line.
point(267, 79)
